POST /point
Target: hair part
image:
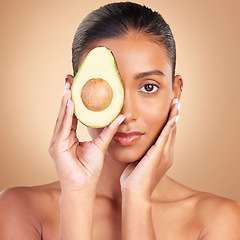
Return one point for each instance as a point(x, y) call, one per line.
point(117, 19)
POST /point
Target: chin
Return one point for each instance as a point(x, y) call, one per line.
point(126, 154)
point(124, 159)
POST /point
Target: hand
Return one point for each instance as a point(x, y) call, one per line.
point(78, 164)
point(140, 178)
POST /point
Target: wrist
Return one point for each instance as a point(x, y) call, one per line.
point(85, 189)
point(135, 196)
point(79, 196)
point(135, 202)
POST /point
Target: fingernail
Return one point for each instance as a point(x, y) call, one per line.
point(68, 102)
point(179, 106)
point(177, 118)
point(175, 100)
point(122, 119)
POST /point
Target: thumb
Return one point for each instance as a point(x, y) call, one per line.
point(108, 132)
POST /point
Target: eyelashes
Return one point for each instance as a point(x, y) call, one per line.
point(149, 88)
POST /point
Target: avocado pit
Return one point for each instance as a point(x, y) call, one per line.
point(96, 94)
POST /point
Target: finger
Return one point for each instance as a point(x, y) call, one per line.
point(67, 127)
point(173, 141)
point(166, 160)
point(155, 153)
point(169, 147)
point(175, 108)
point(61, 112)
point(163, 138)
point(108, 132)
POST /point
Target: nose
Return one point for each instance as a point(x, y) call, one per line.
point(130, 108)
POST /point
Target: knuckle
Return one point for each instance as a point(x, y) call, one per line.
point(165, 138)
point(165, 158)
point(99, 143)
point(107, 129)
point(175, 129)
point(164, 155)
point(50, 148)
point(110, 127)
point(52, 151)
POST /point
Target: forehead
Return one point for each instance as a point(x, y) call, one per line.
point(136, 53)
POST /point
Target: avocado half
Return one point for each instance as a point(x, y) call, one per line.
point(97, 90)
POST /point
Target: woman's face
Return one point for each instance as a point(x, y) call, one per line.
point(146, 74)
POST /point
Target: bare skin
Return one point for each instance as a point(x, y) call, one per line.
point(182, 214)
point(123, 192)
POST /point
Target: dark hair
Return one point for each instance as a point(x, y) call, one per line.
point(115, 20)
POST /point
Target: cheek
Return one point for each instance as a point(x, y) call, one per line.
point(156, 113)
point(155, 120)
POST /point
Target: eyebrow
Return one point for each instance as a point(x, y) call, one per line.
point(149, 73)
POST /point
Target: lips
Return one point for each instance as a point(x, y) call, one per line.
point(127, 138)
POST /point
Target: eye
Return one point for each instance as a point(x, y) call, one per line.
point(149, 88)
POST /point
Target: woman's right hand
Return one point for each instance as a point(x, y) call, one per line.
point(78, 164)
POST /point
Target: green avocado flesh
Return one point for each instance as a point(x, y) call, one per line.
point(97, 90)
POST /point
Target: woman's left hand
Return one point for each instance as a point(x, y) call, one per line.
point(139, 179)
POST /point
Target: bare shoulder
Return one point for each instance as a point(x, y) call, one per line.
point(28, 198)
point(23, 210)
point(220, 216)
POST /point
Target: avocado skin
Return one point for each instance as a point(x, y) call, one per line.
point(98, 63)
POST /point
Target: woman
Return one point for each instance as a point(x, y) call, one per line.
point(115, 186)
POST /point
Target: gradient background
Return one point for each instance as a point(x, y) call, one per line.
point(36, 39)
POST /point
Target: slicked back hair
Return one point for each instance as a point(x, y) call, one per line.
point(116, 20)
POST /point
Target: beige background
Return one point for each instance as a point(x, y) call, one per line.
point(36, 39)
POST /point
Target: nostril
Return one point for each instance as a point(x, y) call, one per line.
point(129, 108)
point(130, 117)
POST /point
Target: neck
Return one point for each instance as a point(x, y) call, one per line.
point(109, 186)
point(109, 181)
